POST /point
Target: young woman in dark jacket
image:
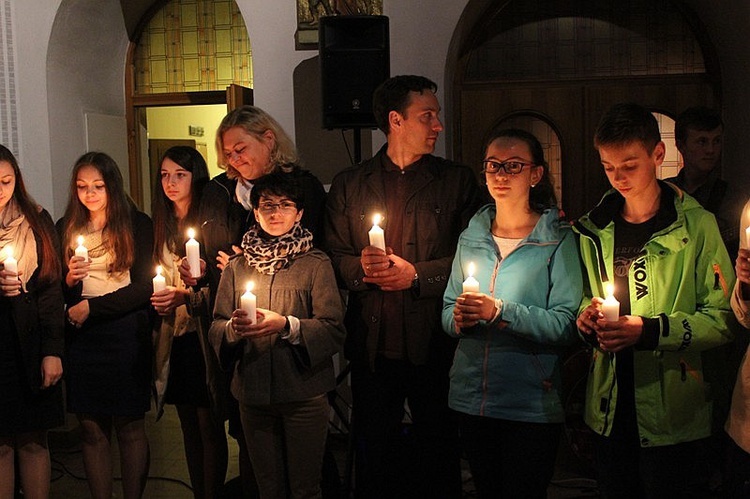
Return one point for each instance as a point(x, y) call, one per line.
point(31, 336)
point(108, 368)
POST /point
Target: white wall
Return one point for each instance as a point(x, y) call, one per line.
point(83, 70)
point(32, 24)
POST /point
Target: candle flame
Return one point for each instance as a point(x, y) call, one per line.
point(471, 269)
point(191, 233)
point(158, 270)
point(610, 289)
point(249, 286)
point(8, 250)
point(376, 218)
point(80, 240)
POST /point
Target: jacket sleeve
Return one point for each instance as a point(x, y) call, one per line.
point(136, 294)
point(554, 324)
point(740, 306)
point(708, 325)
point(224, 305)
point(340, 241)
point(49, 305)
point(433, 273)
point(323, 333)
point(50, 301)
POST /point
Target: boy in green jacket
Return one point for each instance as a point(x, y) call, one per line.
point(647, 399)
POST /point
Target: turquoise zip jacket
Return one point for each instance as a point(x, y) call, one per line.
point(680, 287)
point(509, 368)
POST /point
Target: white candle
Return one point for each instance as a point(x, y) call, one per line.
point(9, 263)
point(248, 303)
point(471, 285)
point(377, 236)
point(611, 307)
point(81, 250)
point(160, 284)
point(193, 252)
point(747, 238)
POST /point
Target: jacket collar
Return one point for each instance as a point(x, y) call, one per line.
point(546, 231)
point(612, 202)
point(425, 169)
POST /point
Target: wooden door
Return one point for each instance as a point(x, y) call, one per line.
point(237, 96)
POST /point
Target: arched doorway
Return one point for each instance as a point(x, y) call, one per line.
point(569, 63)
point(185, 53)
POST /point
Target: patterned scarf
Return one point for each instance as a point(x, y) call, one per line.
point(16, 231)
point(268, 254)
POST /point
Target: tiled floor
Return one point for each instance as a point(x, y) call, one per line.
point(168, 476)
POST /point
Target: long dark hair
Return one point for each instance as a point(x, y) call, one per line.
point(50, 269)
point(166, 226)
point(541, 196)
point(117, 235)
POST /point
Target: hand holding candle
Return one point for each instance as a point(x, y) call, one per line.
point(81, 250)
point(610, 306)
point(248, 303)
point(9, 263)
point(471, 285)
point(160, 284)
point(377, 236)
point(193, 252)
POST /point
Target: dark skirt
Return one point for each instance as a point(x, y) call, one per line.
point(23, 410)
point(108, 366)
point(187, 373)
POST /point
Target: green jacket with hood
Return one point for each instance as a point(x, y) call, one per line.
point(680, 285)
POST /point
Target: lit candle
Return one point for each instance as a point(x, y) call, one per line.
point(193, 252)
point(248, 303)
point(471, 285)
point(160, 284)
point(377, 236)
point(9, 263)
point(747, 237)
point(81, 250)
point(611, 307)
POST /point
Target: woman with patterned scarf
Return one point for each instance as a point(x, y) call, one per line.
point(285, 368)
point(31, 342)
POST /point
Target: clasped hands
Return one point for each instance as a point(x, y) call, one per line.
point(472, 307)
point(386, 270)
point(611, 336)
point(268, 322)
point(167, 300)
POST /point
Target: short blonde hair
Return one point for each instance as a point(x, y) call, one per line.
point(256, 122)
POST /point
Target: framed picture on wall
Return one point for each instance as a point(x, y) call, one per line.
point(310, 11)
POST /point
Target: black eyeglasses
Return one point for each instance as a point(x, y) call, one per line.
point(509, 167)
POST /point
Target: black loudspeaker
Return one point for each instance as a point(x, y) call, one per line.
point(354, 60)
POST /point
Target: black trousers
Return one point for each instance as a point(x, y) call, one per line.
point(510, 459)
point(397, 460)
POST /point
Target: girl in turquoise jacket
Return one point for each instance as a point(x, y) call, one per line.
point(505, 378)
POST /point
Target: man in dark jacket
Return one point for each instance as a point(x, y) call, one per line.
point(395, 343)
